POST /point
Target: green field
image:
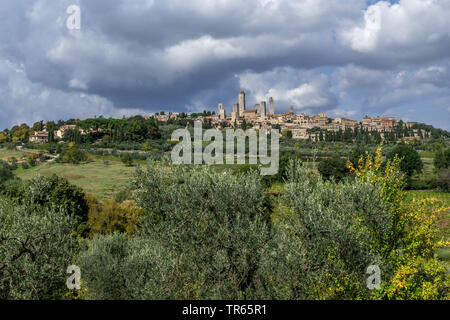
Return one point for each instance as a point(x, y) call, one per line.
point(6, 154)
point(94, 177)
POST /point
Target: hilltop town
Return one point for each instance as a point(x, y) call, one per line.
point(300, 124)
point(263, 116)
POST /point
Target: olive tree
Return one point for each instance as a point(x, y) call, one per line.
point(202, 237)
point(327, 237)
point(36, 247)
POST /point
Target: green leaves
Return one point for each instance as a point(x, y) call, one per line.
point(36, 246)
point(410, 159)
point(203, 236)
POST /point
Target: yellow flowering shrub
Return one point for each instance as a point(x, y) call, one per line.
point(416, 271)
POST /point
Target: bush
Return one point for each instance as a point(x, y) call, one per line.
point(25, 165)
point(13, 189)
point(443, 179)
point(442, 158)
point(73, 155)
point(416, 273)
point(13, 163)
point(410, 161)
point(127, 159)
point(328, 235)
point(202, 237)
point(36, 248)
point(5, 173)
point(57, 192)
point(334, 167)
point(109, 216)
point(123, 195)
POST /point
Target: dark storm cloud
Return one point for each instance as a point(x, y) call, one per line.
point(143, 56)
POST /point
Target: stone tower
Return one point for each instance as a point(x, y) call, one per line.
point(241, 103)
point(222, 114)
point(236, 110)
point(291, 109)
point(271, 106)
point(262, 110)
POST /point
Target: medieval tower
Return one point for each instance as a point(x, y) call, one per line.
point(263, 110)
point(241, 103)
point(271, 106)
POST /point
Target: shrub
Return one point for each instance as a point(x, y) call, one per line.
point(123, 195)
point(209, 235)
point(410, 161)
point(36, 248)
point(5, 173)
point(443, 179)
point(109, 216)
point(73, 155)
point(334, 167)
point(202, 237)
point(416, 272)
point(127, 159)
point(442, 158)
point(328, 235)
point(57, 192)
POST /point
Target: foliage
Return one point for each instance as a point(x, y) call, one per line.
point(118, 130)
point(73, 155)
point(327, 237)
point(203, 235)
point(443, 178)
point(416, 271)
point(57, 192)
point(335, 167)
point(127, 159)
point(442, 158)
point(5, 172)
point(357, 153)
point(109, 216)
point(284, 163)
point(410, 161)
point(36, 248)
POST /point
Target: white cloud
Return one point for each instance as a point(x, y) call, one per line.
point(303, 89)
point(77, 84)
point(410, 29)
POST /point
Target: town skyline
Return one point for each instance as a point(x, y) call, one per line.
point(263, 116)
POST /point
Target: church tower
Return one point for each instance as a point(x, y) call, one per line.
point(222, 115)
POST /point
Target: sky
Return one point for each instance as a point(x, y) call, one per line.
point(347, 58)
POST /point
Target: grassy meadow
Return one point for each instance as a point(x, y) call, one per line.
point(95, 177)
point(6, 154)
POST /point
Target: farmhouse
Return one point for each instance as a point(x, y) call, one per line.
point(60, 132)
point(39, 136)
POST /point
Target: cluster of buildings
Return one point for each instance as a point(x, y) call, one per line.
point(42, 136)
point(264, 118)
